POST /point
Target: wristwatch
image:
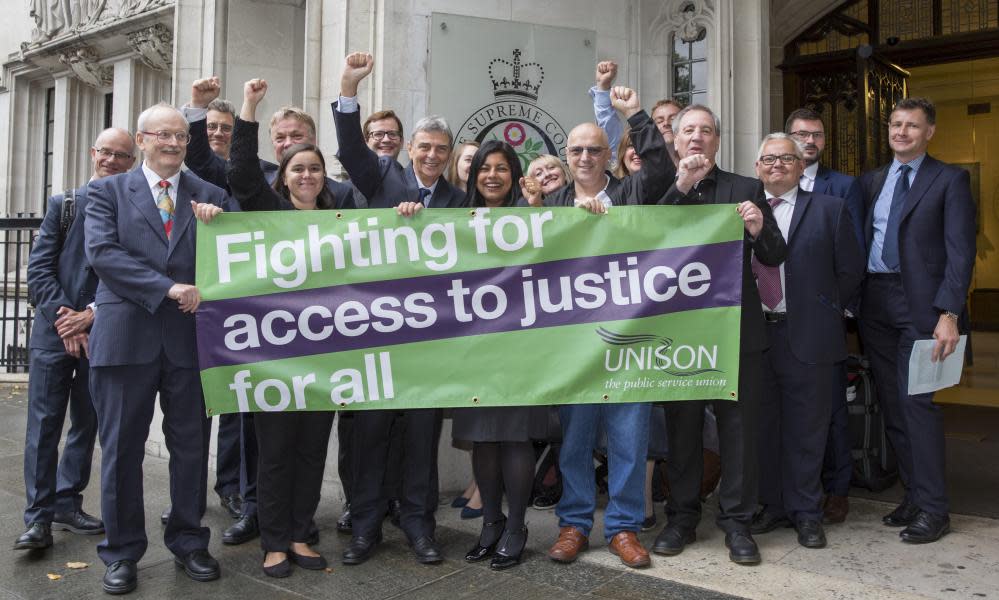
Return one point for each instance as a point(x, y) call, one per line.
point(950, 315)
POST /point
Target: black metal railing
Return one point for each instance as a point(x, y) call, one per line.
point(17, 235)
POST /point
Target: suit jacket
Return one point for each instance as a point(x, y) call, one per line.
point(841, 185)
point(211, 167)
point(936, 239)
point(769, 246)
point(651, 182)
point(822, 274)
point(129, 250)
point(59, 273)
point(381, 179)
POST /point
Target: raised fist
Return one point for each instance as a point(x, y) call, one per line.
point(203, 91)
point(254, 90)
point(625, 100)
point(356, 67)
point(606, 73)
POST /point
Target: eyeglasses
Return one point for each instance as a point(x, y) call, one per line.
point(785, 159)
point(591, 150)
point(105, 153)
point(220, 127)
point(804, 135)
point(380, 135)
point(164, 137)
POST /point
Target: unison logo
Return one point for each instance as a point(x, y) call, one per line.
point(515, 117)
point(648, 352)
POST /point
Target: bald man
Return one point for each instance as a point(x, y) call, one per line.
point(626, 424)
point(62, 284)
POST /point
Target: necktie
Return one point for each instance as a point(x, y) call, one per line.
point(889, 248)
point(165, 204)
point(425, 197)
point(767, 277)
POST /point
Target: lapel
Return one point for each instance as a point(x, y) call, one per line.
point(800, 206)
point(821, 181)
point(442, 194)
point(723, 188)
point(877, 182)
point(142, 199)
point(182, 213)
point(412, 186)
point(928, 171)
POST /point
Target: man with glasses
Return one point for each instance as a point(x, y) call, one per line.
point(700, 181)
point(383, 133)
point(140, 240)
point(805, 125)
point(803, 301)
point(626, 424)
point(62, 285)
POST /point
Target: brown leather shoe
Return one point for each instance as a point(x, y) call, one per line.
point(626, 546)
point(570, 543)
point(835, 510)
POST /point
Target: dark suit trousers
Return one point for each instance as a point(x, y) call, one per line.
point(838, 463)
point(914, 424)
point(371, 450)
point(124, 397)
point(248, 463)
point(795, 410)
point(345, 456)
point(737, 437)
point(53, 485)
point(292, 458)
point(227, 456)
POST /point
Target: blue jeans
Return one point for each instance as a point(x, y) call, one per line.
point(627, 427)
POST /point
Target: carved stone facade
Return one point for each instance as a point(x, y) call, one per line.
point(154, 45)
point(84, 61)
point(55, 19)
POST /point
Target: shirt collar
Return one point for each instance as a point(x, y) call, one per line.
point(790, 196)
point(812, 171)
point(154, 180)
point(914, 164)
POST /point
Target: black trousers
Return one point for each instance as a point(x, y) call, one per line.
point(737, 439)
point(292, 457)
point(392, 484)
point(228, 455)
point(419, 490)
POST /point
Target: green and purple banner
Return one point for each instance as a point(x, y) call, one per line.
point(363, 309)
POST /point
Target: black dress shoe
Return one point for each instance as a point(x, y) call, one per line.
point(165, 515)
point(742, 548)
point(488, 538)
point(37, 537)
point(767, 520)
point(394, 512)
point(672, 540)
point(78, 522)
point(903, 515)
point(810, 534)
point(360, 549)
point(199, 565)
point(926, 528)
point(345, 524)
point(121, 577)
point(426, 551)
point(312, 563)
point(510, 548)
point(233, 504)
point(241, 531)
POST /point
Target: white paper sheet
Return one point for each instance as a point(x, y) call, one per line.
point(928, 376)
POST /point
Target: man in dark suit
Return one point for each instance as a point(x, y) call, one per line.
point(140, 235)
point(803, 302)
point(386, 183)
point(921, 251)
point(805, 125)
point(700, 181)
point(63, 285)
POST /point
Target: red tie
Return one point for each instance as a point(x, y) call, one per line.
point(768, 278)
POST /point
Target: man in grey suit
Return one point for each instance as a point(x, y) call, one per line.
point(63, 285)
point(140, 235)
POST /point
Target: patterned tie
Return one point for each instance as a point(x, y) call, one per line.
point(889, 246)
point(425, 196)
point(165, 204)
point(767, 277)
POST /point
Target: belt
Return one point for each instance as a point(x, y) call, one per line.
point(774, 317)
point(889, 276)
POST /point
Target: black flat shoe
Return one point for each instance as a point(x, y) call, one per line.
point(811, 534)
point(485, 548)
point(199, 565)
point(673, 539)
point(742, 548)
point(360, 549)
point(903, 515)
point(426, 551)
point(926, 528)
point(121, 577)
point(280, 570)
point(510, 548)
point(37, 537)
point(241, 531)
point(459, 502)
point(78, 522)
point(312, 563)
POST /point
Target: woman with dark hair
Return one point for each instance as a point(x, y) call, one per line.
point(291, 445)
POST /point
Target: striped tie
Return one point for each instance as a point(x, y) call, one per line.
point(165, 204)
point(767, 277)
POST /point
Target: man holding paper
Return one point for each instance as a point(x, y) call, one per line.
point(920, 232)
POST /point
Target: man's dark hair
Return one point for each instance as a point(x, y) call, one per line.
point(805, 114)
point(378, 116)
point(922, 104)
